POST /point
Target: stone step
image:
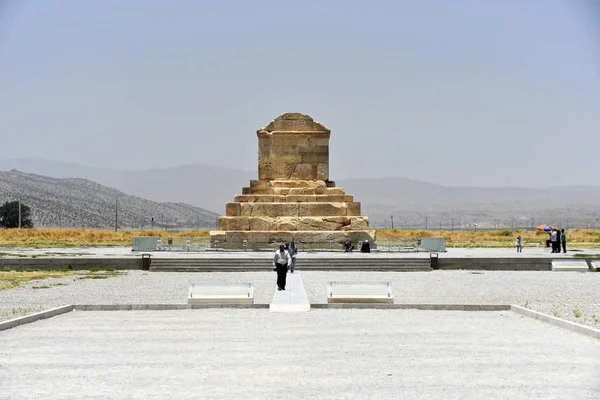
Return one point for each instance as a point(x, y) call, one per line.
point(287, 183)
point(298, 209)
point(316, 198)
point(277, 191)
point(238, 264)
point(287, 223)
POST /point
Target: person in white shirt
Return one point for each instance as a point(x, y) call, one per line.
point(281, 261)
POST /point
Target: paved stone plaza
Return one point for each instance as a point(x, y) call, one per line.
point(553, 293)
point(325, 354)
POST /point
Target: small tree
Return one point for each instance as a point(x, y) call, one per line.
point(9, 215)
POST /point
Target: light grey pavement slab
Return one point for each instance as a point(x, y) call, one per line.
point(322, 354)
point(559, 294)
point(120, 252)
point(293, 298)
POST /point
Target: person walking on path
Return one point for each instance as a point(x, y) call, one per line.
point(563, 240)
point(293, 250)
point(519, 244)
point(281, 262)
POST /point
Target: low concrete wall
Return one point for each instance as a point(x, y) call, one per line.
point(572, 326)
point(11, 323)
point(377, 264)
point(497, 264)
point(70, 263)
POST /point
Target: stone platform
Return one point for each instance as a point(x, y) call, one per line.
point(307, 240)
point(293, 198)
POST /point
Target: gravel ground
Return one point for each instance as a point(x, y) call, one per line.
point(322, 354)
point(569, 295)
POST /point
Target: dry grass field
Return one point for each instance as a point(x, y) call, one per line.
point(583, 238)
point(42, 237)
point(64, 237)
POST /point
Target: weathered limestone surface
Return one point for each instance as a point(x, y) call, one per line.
point(293, 197)
point(305, 240)
point(307, 223)
point(293, 146)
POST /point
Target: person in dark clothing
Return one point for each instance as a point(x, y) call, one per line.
point(281, 262)
point(563, 240)
point(555, 240)
point(348, 246)
point(366, 247)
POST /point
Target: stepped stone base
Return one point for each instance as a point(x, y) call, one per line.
point(293, 198)
point(305, 240)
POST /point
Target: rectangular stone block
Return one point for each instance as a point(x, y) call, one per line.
point(249, 190)
point(281, 191)
point(336, 190)
point(261, 183)
point(303, 191)
point(297, 183)
point(232, 209)
point(267, 240)
point(314, 158)
point(285, 224)
point(246, 209)
point(233, 223)
point(353, 209)
point(323, 170)
point(262, 224)
point(295, 199)
point(322, 209)
point(357, 224)
point(321, 223)
point(329, 198)
point(303, 171)
point(274, 209)
point(244, 198)
point(321, 190)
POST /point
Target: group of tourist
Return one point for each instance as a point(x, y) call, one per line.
point(557, 238)
point(284, 259)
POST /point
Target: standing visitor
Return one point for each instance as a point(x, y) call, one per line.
point(554, 240)
point(563, 240)
point(281, 262)
point(519, 245)
point(293, 250)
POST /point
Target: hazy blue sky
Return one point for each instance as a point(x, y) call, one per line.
point(462, 92)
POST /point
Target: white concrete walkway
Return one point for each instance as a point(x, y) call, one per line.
point(293, 298)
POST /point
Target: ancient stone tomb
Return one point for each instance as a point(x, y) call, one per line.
point(293, 198)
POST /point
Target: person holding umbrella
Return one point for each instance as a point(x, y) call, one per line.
point(547, 228)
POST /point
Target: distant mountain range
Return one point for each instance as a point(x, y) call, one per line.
point(411, 204)
point(76, 202)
